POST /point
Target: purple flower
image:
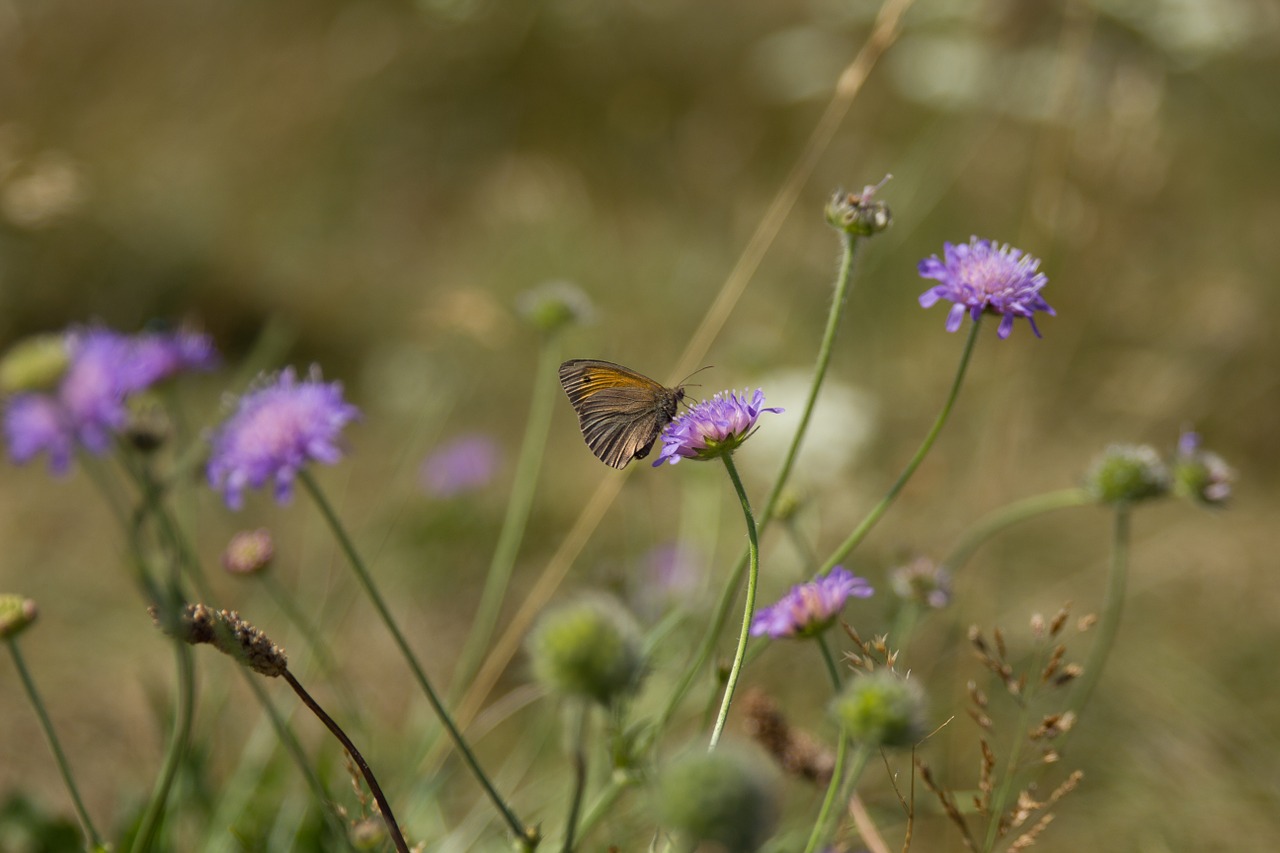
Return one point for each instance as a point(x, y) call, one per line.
point(810, 608)
point(159, 355)
point(463, 465)
point(35, 423)
point(712, 427)
point(982, 276)
point(277, 428)
point(88, 407)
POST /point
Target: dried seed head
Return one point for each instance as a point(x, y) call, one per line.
point(1037, 625)
point(1059, 620)
point(1086, 622)
point(1070, 672)
point(795, 751)
point(226, 632)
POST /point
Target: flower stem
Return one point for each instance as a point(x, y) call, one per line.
point(383, 806)
point(174, 753)
point(92, 839)
point(1007, 516)
point(619, 782)
point(1109, 623)
point(832, 670)
point(844, 282)
point(578, 726)
point(753, 574)
point(528, 836)
point(838, 783)
point(860, 532)
point(537, 427)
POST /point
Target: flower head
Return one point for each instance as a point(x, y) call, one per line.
point(923, 582)
point(982, 276)
point(249, 552)
point(277, 428)
point(1200, 474)
point(589, 648)
point(724, 800)
point(463, 465)
point(1128, 473)
point(88, 406)
point(810, 608)
point(881, 709)
point(16, 615)
point(712, 428)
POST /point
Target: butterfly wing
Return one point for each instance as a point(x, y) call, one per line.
point(619, 411)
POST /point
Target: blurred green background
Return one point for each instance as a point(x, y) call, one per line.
point(374, 184)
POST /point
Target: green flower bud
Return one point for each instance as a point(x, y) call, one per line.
point(588, 648)
point(249, 552)
point(723, 800)
point(34, 364)
point(16, 613)
point(554, 306)
point(1128, 473)
point(881, 709)
point(859, 215)
point(1199, 474)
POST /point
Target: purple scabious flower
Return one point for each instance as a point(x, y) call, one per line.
point(712, 427)
point(35, 423)
point(810, 608)
point(277, 428)
point(1200, 474)
point(463, 465)
point(159, 355)
point(88, 406)
point(982, 276)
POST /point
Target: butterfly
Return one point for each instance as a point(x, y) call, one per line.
point(620, 412)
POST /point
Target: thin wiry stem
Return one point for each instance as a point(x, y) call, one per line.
point(753, 574)
point(92, 839)
point(877, 512)
point(532, 451)
point(367, 772)
point(526, 835)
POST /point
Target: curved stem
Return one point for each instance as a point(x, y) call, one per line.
point(178, 740)
point(1007, 516)
point(526, 835)
point(383, 806)
point(753, 574)
point(92, 839)
point(537, 427)
point(619, 782)
point(579, 757)
point(844, 282)
point(860, 532)
point(1109, 623)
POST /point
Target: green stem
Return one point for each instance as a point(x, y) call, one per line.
point(1109, 623)
point(579, 757)
point(844, 280)
point(753, 546)
point(537, 428)
point(860, 532)
point(527, 836)
point(179, 738)
point(844, 283)
point(835, 787)
point(832, 670)
point(619, 782)
point(93, 840)
point(1007, 516)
